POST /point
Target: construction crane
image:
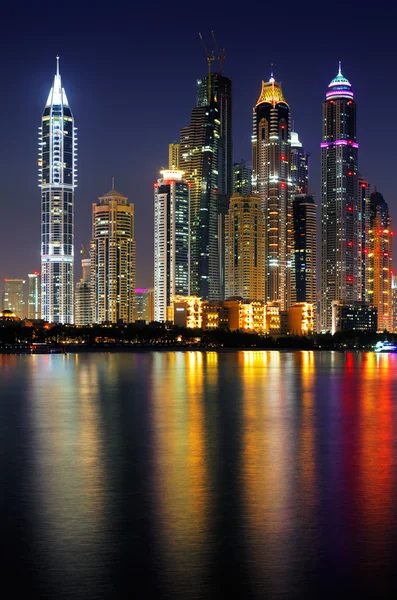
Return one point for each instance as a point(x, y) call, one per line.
point(221, 57)
point(210, 59)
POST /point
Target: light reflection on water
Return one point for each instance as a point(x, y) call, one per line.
point(199, 474)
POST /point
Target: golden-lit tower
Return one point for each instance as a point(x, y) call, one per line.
point(113, 258)
point(271, 181)
point(244, 248)
point(380, 260)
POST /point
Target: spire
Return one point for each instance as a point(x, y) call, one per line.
point(271, 80)
point(58, 65)
point(340, 69)
point(112, 183)
point(57, 95)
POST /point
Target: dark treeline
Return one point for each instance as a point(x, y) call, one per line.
point(159, 335)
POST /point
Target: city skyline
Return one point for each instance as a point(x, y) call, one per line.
point(136, 160)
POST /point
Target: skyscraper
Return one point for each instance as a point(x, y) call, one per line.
point(271, 181)
point(363, 236)
point(242, 179)
point(13, 296)
point(113, 258)
point(299, 166)
point(245, 248)
point(304, 218)
point(57, 179)
point(144, 309)
point(340, 261)
point(84, 294)
point(199, 160)
point(34, 296)
point(380, 260)
point(171, 241)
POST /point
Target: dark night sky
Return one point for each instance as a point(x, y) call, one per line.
point(130, 76)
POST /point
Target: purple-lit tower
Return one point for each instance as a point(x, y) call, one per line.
point(340, 210)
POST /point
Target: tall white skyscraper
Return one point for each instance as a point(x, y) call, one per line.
point(171, 241)
point(57, 179)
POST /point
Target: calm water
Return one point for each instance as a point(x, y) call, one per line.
point(198, 475)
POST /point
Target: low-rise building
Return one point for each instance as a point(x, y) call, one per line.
point(354, 316)
point(301, 318)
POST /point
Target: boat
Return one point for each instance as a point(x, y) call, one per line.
point(385, 347)
point(44, 348)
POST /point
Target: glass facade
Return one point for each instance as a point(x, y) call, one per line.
point(57, 179)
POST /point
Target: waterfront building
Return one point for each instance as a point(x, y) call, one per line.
point(380, 260)
point(57, 179)
point(84, 295)
point(354, 316)
point(299, 166)
point(187, 311)
point(340, 261)
point(171, 240)
point(14, 296)
point(242, 179)
point(245, 248)
point(271, 181)
point(301, 318)
point(363, 236)
point(144, 304)
point(113, 259)
point(34, 296)
point(394, 303)
point(304, 220)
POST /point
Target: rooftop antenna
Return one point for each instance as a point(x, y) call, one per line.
point(210, 59)
point(113, 183)
point(271, 71)
point(221, 57)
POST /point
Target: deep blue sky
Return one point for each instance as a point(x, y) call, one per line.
point(130, 75)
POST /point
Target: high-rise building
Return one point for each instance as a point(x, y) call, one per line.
point(199, 160)
point(380, 260)
point(13, 296)
point(84, 295)
point(363, 236)
point(271, 181)
point(173, 156)
point(340, 260)
point(304, 218)
point(299, 166)
point(245, 248)
point(34, 296)
point(171, 241)
point(394, 302)
point(242, 179)
point(113, 259)
point(57, 179)
point(144, 304)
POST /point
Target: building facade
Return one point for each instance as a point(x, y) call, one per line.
point(57, 179)
point(14, 296)
point(354, 316)
point(171, 240)
point(380, 260)
point(242, 179)
point(271, 181)
point(299, 166)
point(144, 304)
point(364, 218)
point(340, 259)
point(245, 248)
point(199, 160)
point(305, 244)
point(84, 295)
point(34, 296)
point(113, 259)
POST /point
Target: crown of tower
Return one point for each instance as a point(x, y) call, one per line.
point(271, 92)
point(57, 95)
point(340, 87)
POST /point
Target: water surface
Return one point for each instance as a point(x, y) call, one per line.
point(198, 475)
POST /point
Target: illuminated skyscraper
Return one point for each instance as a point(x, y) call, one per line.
point(271, 181)
point(380, 261)
point(299, 166)
point(304, 217)
point(57, 179)
point(242, 179)
point(113, 258)
point(340, 260)
point(34, 296)
point(171, 241)
point(364, 217)
point(144, 309)
point(84, 294)
point(13, 296)
point(199, 160)
point(245, 248)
